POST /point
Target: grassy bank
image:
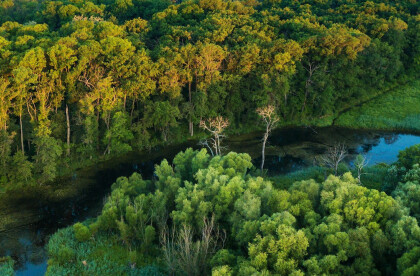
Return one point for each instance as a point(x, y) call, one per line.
point(397, 110)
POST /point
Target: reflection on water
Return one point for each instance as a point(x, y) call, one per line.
point(388, 147)
point(288, 150)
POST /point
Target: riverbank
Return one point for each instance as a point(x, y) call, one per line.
point(398, 110)
point(394, 110)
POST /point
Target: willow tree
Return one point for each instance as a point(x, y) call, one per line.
point(270, 118)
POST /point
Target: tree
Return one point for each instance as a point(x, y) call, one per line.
point(119, 135)
point(270, 119)
point(22, 172)
point(215, 126)
point(48, 152)
point(6, 141)
point(315, 227)
point(360, 163)
point(189, 57)
point(161, 116)
point(22, 78)
point(407, 192)
point(6, 97)
point(333, 157)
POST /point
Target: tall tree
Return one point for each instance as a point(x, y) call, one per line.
point(269, 116)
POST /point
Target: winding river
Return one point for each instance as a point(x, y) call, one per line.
point(289, 150)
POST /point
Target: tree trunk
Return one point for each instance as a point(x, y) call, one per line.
point(218, 145)
point(132, 111)
point(263, 151)
point(191, 126)
point(306, 93)
point(68, 130)
point(98, 141)
point(21, 133)
point(311, 69)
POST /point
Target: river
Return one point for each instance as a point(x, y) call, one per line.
point(288, 150)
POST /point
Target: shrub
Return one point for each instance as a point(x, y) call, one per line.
point(408, 157)
point(222, 271)
point(6, 266)
point(81, 232)
point(65, 255)
point(94, 228)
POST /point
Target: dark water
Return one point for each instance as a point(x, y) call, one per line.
point(288, 150)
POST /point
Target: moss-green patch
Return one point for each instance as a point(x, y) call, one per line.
point(396, 110)
point(104, 254)
point(6, 266)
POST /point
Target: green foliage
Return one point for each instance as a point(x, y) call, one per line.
point(65, 255)
point(408, 192)
point(397, 110)
point(409, 263)
point(162, 116)
point(107, 77)
point(49, 150)
point(285, 181)
point(81, 232)
point(409, 157)
point(328, 226)
point(119, 135)
point(22, 169)
point(6, 266)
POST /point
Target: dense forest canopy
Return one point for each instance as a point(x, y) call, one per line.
point(80, 79)
point(205, 215)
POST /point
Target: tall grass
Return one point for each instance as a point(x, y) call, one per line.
point(104, 254)
point(397, 110)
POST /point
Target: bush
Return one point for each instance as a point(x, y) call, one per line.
point(6, 266)
point(66, 255)
point(81, 232)
point(408, 157)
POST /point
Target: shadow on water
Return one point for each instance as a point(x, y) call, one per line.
point(288, 150)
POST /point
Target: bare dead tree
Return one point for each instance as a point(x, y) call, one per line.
point(360, 163)
point(269, 116)
point(334, 156)
point(215, 126)
point(205, 143)
point(187, 255)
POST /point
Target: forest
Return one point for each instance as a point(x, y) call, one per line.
point(205, 214)
point(83, 82)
